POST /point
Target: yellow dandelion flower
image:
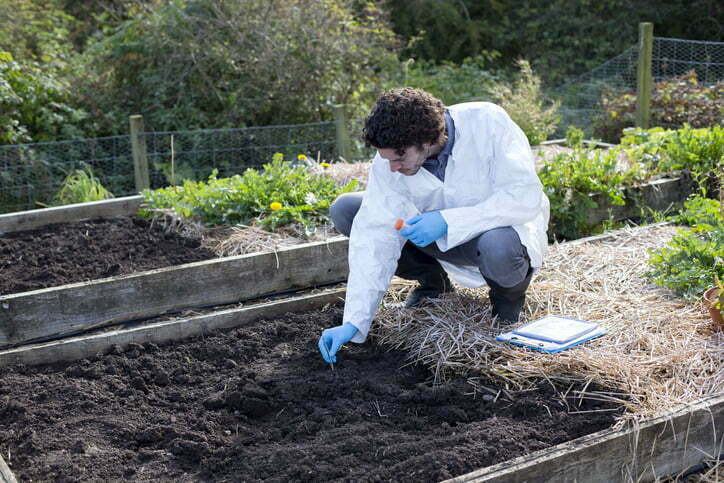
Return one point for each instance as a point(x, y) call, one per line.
point(325, 165)
point(301, 157)
point(275, 205)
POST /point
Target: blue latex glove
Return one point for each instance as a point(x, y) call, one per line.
point(425, 228)
point(334, 338)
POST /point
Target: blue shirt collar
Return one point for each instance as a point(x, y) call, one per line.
point(450, 128)
point(438, 164)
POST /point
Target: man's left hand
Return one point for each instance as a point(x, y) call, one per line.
point(425, 228)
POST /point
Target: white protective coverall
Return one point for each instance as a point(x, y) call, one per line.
point(490, 182)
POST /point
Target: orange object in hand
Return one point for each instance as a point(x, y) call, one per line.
point(399, 224)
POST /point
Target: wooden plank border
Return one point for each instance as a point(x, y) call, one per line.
point(75, 348)
point(666, 445)
point(28, 316)
point(656, 195)
point(6, 476)
point(27, 220)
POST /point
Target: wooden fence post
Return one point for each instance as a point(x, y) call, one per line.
point(340, 121)
point(140, 153)
point(643, 75)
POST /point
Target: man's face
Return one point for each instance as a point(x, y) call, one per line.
point(410, 162)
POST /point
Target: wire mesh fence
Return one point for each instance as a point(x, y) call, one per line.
point(173, 156)
point(671, 58)
point(32, 174)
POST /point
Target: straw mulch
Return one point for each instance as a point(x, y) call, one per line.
point(244, 239)
point(660, 351)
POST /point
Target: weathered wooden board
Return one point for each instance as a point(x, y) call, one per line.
point(657, 195)
point(59, 310)
point(75, 348)
point(26, 220)
point(659, 447)
point(6, 476)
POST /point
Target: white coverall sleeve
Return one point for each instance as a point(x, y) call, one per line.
point(374, 248)
point(517, 192)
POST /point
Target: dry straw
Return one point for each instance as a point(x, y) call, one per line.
point(245, 239)
point(660, 351)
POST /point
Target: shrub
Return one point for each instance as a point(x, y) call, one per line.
point(38, 31)
point(223, 63)
point(674, 103)
point(472, 81)
point(561, 38)
point(278, 195)
point(700, 211)
point(524, 103)
point(35, 103)
point(452, 83)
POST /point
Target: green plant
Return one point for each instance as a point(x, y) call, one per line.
point(275, 196)
point(525, 105)
point(719, 302)
point(81, 186)
point(574, 137)
point(699, 211)
point(694, 257)
point(569, 179)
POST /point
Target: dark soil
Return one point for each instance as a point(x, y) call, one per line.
point(258, 403)
point(88, 250)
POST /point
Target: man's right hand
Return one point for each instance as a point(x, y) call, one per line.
point(334, 338)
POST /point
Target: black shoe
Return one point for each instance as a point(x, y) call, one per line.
point(414, 264)
point(508, 302)
point(431, 288)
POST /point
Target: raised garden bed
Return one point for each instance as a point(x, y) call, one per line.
point(39, 314)
point(109, 270)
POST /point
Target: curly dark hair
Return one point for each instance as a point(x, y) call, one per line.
point(405, 117)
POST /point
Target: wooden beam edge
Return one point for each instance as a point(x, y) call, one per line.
point(545, 462)
point(27, 220)
point(89, 345)
point(33, 315)
point(608, 235)
point(203, 264)
point(6, 476)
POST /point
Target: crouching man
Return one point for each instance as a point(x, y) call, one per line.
point(463, 179)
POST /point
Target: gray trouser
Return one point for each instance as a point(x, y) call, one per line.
point(498, 253)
